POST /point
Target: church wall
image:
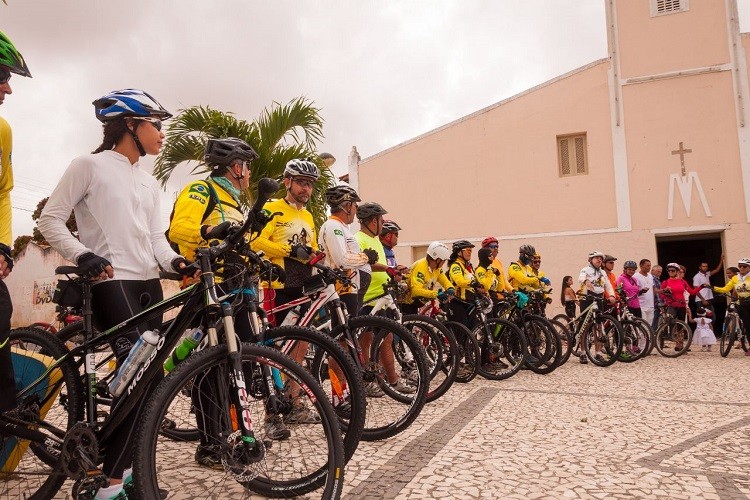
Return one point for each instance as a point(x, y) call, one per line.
point(672, 42)
point(497, 170)
point(698, 111)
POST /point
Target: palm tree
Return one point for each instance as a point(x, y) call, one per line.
point(280, 134)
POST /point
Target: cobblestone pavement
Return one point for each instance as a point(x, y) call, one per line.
point(657, 428)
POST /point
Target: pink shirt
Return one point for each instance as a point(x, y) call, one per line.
point(631, 288)
point(678, 288)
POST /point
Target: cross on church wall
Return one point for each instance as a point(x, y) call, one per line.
point(682, 152)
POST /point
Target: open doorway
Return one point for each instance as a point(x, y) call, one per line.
point(690, 250)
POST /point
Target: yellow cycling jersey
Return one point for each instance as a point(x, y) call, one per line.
point(521, 277)
point(6, 183)
point(461, 276)
point(423, 281)
point(189, 211)
point(488, 279)
point(503, 284)
point(292, 227)
point(740, 285)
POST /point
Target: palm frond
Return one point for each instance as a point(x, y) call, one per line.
point(298, 121)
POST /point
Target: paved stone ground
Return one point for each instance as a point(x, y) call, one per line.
point(657, 428)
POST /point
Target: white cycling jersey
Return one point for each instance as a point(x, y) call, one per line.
point(598, 279)
point(118, 214)
point(341, 248)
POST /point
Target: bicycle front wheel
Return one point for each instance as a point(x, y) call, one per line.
point(504, 348)
point(306, 456)
point(441, 349)
point(673, 338)
point(728, 338)
point(603, 340)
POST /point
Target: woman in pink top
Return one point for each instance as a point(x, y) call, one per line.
point(630, 287)
point(673, 291)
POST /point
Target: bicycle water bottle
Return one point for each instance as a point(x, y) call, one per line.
point(183, 350)
point(139, 353)
point(291, 317)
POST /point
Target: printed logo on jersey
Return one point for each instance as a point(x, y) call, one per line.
point(338, 232)
point(199, 189)
point(197, 198)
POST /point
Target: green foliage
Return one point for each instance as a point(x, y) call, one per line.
point(37, 237)
point(279, 134)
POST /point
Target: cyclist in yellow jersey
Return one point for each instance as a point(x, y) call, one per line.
point(503, 283)
point(521, 274)
point(461, 274)
point(486, 274)
point(536, 263)
point(427, 280)
point(740, 285)
point(206, 209)
point(11, 62)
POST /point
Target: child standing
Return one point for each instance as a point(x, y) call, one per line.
point(704, 332)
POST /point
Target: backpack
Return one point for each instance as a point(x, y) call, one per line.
point(213, 200)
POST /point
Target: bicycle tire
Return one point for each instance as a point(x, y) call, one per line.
point(326, 348)
point(469, 355)
point(566, 338)
point(393, 413)
point(607, 330)
point(727, 339)
point(542, 352)
point(508, 344)
point(323, 468)
point(634, 343)
point(65, 407)
point(669, 335)
point(445, 368)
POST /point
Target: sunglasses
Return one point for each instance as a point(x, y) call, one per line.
point(5, 75)
point(491, 246)
point(742, 265)
point(306, 183)
point(153, 121)
point(671, 270)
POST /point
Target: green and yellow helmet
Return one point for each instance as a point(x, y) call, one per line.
point(11, 58)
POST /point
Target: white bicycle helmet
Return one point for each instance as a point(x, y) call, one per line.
point(744, 262)
point(438, 250)
point(673, 265)
point(596, 253)
point(301, 168)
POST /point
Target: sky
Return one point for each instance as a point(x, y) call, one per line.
point(381, 72)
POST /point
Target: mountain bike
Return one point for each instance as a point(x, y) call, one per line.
point(438, 341)
point(673, 336)
point(389, 412)
point(594, 330)
point(55, 431)
point(734, 330)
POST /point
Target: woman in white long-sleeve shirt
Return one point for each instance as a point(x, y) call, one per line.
point(121, 239)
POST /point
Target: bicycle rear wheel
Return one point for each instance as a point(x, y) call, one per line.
point(503, 349)
point(469, 353)
point(605, 334)
point(441, 349)
point(33, 469)
point(310, 457)
point(389, 411)
point(636, 338)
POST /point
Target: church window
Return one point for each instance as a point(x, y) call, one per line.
point(661, 7)
point(571, 154)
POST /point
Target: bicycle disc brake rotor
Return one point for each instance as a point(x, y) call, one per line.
point(241, 464)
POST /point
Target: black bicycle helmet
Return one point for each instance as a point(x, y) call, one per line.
point(630, 264)
point(225, 151)
point(460, 245)
point(11, 58)
point(305, 168)
point(369, 210)
point(527, 251)
point(609, 258)
point(389, 226)
point(338, 195)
